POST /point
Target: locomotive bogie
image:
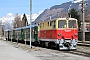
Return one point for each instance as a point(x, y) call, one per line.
point(67, 44)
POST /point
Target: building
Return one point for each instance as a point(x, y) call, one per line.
point(87, 31)
point(87, 26)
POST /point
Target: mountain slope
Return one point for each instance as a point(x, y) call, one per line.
point(57, 10)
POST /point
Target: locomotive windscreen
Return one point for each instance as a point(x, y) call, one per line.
point(72, 24)
point(62, 24)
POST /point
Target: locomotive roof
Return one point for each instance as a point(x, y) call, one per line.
point(58, 19)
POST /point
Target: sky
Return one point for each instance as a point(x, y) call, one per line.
point(23, 6)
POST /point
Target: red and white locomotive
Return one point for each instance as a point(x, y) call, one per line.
point(61, 33)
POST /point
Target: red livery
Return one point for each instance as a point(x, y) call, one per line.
point(61, 33)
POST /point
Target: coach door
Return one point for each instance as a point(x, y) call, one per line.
point(36, 33)
point(22, 34)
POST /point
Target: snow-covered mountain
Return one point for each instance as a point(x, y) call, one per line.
point(76, 1)
point(7, 20)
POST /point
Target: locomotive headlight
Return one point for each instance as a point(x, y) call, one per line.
point(76, 34)
point(59, 34)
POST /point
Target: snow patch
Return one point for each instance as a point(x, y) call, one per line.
point(76, 1)
point(9, 18)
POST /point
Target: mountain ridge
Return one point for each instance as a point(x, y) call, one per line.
point(56, 11)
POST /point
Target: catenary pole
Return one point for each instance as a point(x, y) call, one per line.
point(30, 20)
point(83, 18)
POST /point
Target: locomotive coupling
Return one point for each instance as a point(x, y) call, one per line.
point(67, 44)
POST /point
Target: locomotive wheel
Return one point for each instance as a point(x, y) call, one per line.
point(49, 45)
point(42, 44)
point(58, 48)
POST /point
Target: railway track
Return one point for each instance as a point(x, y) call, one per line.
point(83, 49)
point(87, 43)
point(86, 54)
point(79, 51)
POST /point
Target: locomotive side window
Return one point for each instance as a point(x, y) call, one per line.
point(72, 24)
point(48, 23)
point(54, 24)
point(41, 25)
point(51, 23)
point(62, 24)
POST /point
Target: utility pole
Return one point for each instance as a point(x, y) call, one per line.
point(83, 18)
point(12, 33)
point(30, 20)
point(69, 10)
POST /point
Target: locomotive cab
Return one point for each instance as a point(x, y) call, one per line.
point(67, 33)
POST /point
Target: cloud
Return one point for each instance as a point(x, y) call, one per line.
point(76, 1)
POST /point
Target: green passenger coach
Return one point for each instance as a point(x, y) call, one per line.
point(23, 34)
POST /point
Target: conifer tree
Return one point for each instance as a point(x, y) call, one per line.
point(74, 14)
point(24, 20)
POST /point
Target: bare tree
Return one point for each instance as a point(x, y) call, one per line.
point(88, 17)
point(17, 21)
